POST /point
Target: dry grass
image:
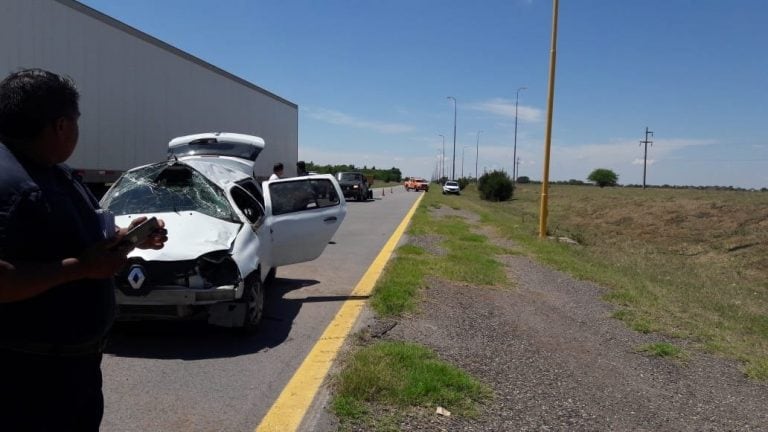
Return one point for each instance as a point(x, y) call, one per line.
point(687, 263)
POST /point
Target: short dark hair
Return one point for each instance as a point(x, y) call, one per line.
point(31, 99)
point(277, 167)
point(301, 165)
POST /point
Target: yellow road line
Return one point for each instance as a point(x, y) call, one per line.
point(289, 409)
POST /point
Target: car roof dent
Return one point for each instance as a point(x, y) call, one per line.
point(221, 171)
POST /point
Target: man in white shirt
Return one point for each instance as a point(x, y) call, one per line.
point(277, 171)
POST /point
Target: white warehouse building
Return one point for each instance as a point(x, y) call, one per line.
point(137, 92)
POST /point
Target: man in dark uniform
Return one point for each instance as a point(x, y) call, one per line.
point(56, 293)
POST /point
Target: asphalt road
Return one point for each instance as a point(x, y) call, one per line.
point(162, 376)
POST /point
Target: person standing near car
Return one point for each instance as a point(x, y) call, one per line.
point(277, 171)
point(301, 168)
point(57, 259)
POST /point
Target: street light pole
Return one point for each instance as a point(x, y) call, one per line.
point(477, 152)
point(442, 159)
point(453, 170)
point(514, 148)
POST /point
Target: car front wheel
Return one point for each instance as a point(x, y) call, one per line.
point(253, 298)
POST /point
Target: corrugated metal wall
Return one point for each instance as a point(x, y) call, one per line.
point(137, 93)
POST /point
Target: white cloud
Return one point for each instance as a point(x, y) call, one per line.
point(339, 118)
point(506, 108)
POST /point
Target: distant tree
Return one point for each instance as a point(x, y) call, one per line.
point(523, 179)
point(603, 177)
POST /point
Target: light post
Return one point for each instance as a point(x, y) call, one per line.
point(514, 148)
point(477, 152)
point(453, 170)
point(442, 159)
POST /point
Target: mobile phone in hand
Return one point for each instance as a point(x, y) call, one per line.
point(141, 232)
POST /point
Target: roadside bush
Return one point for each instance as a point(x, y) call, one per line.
point(463, 182)
point(495, 186)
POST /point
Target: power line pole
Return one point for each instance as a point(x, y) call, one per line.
point(645, 156)
point(517, 167)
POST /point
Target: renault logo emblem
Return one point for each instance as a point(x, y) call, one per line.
point(136, 277)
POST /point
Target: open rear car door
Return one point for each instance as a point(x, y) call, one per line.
point(304, 214)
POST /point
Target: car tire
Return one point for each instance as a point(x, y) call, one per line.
point(253, 297)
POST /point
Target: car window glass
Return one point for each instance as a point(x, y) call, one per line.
point(349, 176)
point(247, 204)
point(289, 197)
point(213, 147)
point(253, 189)
point(162, 188)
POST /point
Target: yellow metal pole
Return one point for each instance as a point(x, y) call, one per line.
point(548, 137)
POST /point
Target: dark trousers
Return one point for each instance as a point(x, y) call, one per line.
point(46, 393)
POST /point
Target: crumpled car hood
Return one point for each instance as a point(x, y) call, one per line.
point(190, 234)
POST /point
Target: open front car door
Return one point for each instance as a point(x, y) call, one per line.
point(304, 214)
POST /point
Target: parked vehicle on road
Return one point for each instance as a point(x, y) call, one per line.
point(451, 187)
point(226, 233)
point(355, 185)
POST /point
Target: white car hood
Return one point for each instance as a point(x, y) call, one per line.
point(190, 234)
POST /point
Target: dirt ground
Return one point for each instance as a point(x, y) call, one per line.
point(556, 360)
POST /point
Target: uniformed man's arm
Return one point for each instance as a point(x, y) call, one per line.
point(23, 280)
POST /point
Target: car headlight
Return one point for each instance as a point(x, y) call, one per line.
point(218, 268)
point(355, 186)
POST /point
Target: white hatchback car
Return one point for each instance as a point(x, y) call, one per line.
point(226, 233)
point(451, 187)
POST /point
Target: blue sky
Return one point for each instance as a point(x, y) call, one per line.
point(371, 79)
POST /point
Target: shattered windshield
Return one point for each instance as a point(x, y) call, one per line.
point(162, 188)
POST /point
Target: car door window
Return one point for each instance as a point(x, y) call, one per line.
point(247, 204)
point(252, 189)
point(294, 196)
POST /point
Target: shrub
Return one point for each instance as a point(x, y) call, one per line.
point(463, 182)
point(495, 186)
point(603, 177)
point(523, 179)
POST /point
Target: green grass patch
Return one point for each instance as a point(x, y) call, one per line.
point(757, 369)
point(401, 375)
point(470, 259)
point(664, 349)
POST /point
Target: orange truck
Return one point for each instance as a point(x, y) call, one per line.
point(416, 184)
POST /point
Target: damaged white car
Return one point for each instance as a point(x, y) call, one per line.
point(226, 233)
